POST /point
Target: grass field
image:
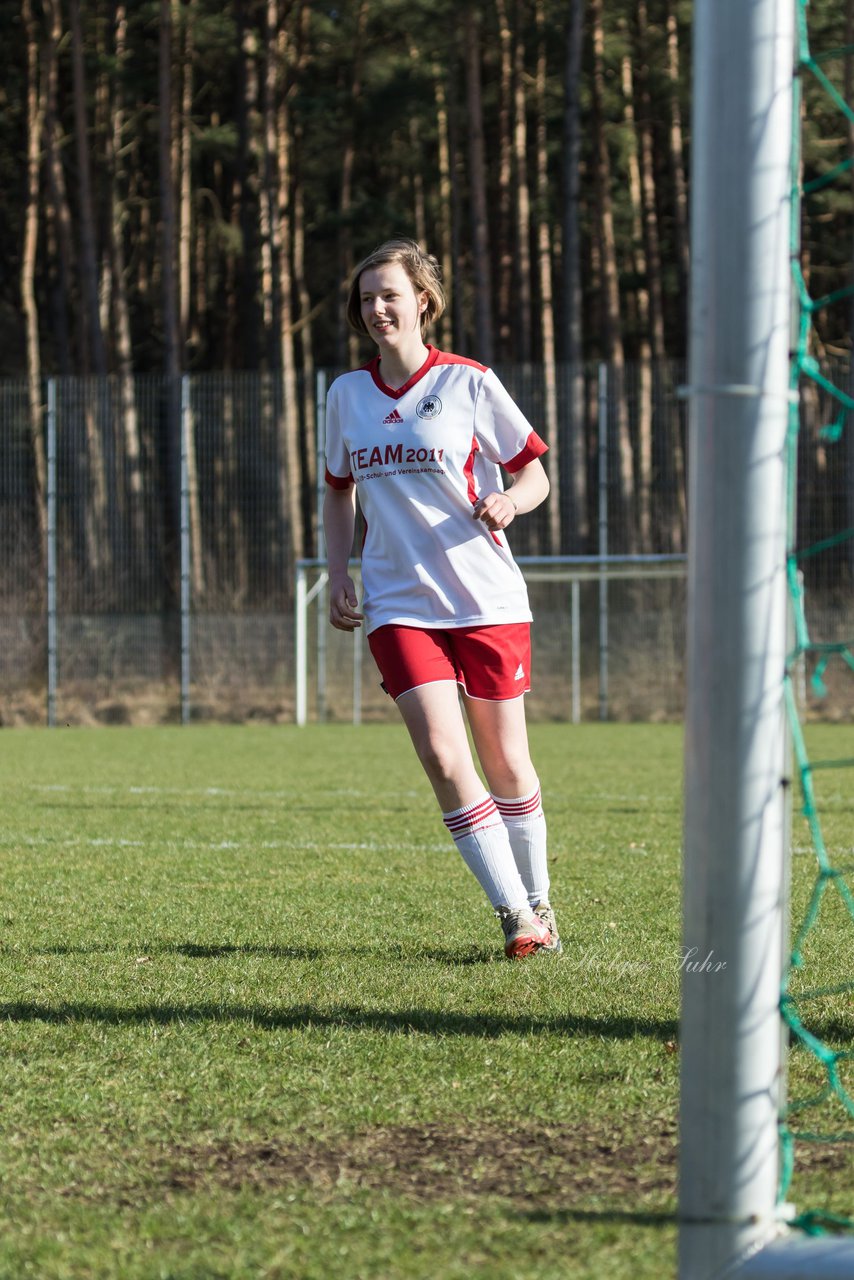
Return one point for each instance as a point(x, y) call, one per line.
point(256, 1023)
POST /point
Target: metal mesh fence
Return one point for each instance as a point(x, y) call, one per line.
point(150, 532)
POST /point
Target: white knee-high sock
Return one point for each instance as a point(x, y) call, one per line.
point(526, 828)
point(481, 837)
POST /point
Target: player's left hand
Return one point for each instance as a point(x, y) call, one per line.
point(496, 510)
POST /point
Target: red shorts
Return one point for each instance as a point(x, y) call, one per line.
point(491, 663)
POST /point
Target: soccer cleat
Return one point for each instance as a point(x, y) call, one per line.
point(544, 912)
point(524, 932)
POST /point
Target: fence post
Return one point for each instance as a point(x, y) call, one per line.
point(185, 551)
point(320, 418)
point(51, 553)
point(321, 541)
point(357, 677)
point(300, 631)
point(575, 595)
point(603, 541)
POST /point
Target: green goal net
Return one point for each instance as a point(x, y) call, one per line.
point(817, 991)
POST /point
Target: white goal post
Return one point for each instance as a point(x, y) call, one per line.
point(735, 857)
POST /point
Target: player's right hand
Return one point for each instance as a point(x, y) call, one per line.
point(343, 613)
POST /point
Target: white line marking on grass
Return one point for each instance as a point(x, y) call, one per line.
point(224, 792)
point(179, 845)
point(364, 844)
point(119, 842)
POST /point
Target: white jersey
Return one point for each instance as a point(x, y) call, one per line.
point(422, 455)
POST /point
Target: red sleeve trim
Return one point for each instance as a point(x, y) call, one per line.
point(448, 357)
point(338, 482)
point(534, 448)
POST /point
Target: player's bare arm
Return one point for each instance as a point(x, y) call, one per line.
point(339, 523)
point(530, 487)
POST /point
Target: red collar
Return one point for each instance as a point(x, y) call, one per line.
point(373, 367)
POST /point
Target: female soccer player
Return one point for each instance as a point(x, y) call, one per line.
point(421, 434)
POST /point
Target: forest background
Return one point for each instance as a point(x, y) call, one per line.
point(186, 184)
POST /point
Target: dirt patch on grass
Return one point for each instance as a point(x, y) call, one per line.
point(433, 1161)
point(827, 1157)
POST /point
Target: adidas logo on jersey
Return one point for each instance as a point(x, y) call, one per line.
point(520, 672)
point(394, 416)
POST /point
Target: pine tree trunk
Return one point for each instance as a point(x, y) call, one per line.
point(200, 303)
point(419, 209)
point(310, 512)
point(59, 214)
point(646, 153)
point(146, 238)
point(670, 451)
point(456, 121)
point(71, 443)
point(231, 282)
point(229, 515)
point(346, 347)
point(849, 428)
point(28, 271)
point(101, 131)
point(121, 309)
point(640, 269)
point(171, 331)
point(309, 372)
point(612, 323)
point(677, 154)
point(184, 143)
point(99, 427)
point(444, 217)
point(477, 180)
point(292, 479)
point(544, 254)
point(574, 475)
point(524, 323)
point(95, 359)
point(245, 338)
point(505, 185)
point(170, 444)
point(184, 148)
point(267, 194)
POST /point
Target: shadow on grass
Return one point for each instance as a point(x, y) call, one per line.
point(201, 951)
point(69, 949)
point(473, 955)
point(309, 1017)
point(638, 1219)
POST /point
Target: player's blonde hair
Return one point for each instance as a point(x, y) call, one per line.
point(423, 271)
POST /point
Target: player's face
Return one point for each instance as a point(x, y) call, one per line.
point(391, 309)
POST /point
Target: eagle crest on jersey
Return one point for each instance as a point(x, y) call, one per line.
point(429, 407)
